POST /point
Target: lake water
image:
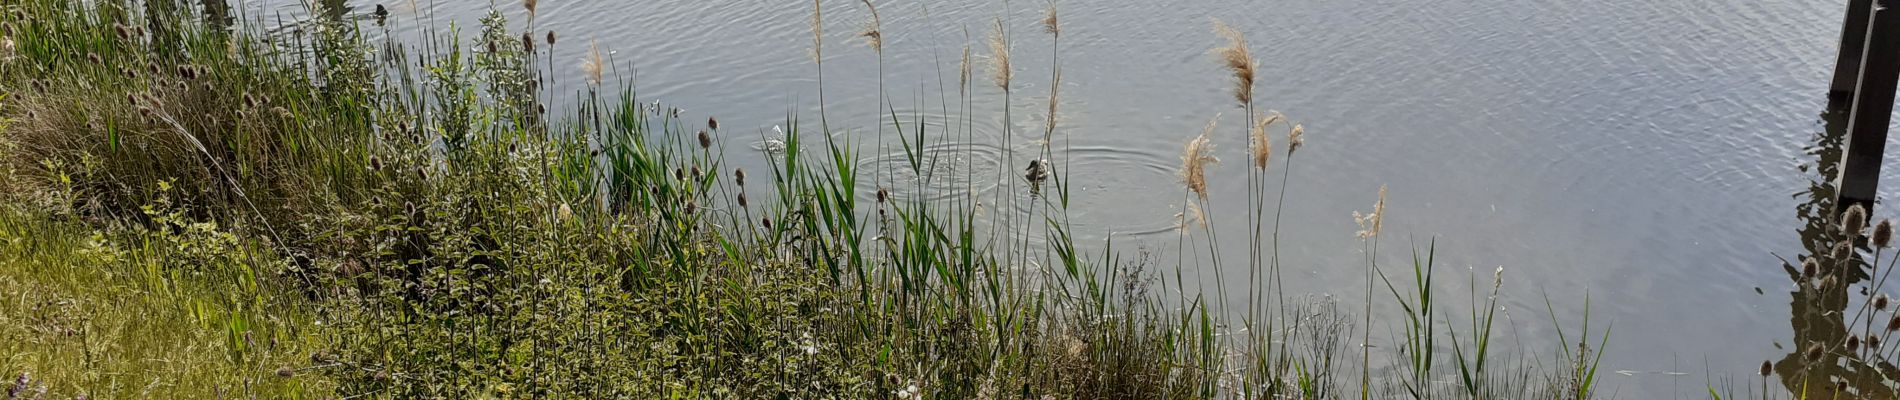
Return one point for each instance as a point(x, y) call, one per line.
point(1654, 154)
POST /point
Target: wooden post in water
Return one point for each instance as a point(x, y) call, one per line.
point(1872, 108)
point(1840, 93)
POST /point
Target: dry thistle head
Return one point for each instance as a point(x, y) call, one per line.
point(1370, 224)
point(1238, 60)
point(1195, 157)
point(999, 56)
point(593, 64)
point(1883, 234)
point(1049, 23)
point(873, 33)
point(1854, 220)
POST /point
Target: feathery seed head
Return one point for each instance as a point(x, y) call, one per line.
point(1195, 157)
point(963, 76)
point(1295, 138)
point(1049, 23)
point(1883, 234)
point(1260, 145)
point(593, 65)
point(1238, 60)
point(1854, 220)
point(817, 32)
point(873, 33)
point(1370, 224)
point(999, 56)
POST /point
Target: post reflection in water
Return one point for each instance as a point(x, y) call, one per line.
point(1827, 358)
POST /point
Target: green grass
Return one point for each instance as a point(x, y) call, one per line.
point(457, 239)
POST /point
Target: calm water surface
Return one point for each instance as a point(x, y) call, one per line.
point(1655, 155)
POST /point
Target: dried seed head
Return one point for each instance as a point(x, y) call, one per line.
point(705, 140)
point(527, 42)
point(1893, 324)
point(738, 175)
point(492, 49)
point(1371, 224)
point(963, 67)
point(1880, 302)
point(999, 56)
point(692, 207)
point(1767, 368)
point(1259, 144)
point(1883, 234)
point(1295, 138)
point(94, 58)
point(882, 195)
point(1238, 60)
point(767, 222)
point(530, 5)
point(679, 173)
point(375, 164)
point(1809, 267)
point(593, 65)
point(1853, 344)
point(1854, 220)
point(1196, 156)
point(696, 173)
point(1815, 351)
point(1873, 342)
point(742, 202)
point(1050, 24)
point(873, 32)
point(712, 123)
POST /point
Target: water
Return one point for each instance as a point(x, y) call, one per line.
point(1653, 154)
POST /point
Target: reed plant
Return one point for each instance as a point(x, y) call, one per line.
point(456, 238)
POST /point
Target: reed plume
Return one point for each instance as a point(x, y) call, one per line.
point(817, 33)
point(999, 56)
point(873, 33)
point(1049, 23)
point(593, 64)
point(1295, 138)
point(963, 67)
point(1370, 224)
point(1238, 59)
point(1260, 145)
point(1195, 157)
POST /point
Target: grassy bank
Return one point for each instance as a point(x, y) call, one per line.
point(313, 214)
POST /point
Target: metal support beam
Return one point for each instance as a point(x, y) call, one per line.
point(1872, 108)
point(1853, 44)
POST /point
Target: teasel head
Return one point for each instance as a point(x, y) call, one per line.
point(1853, 344)
point(1196, 156)
point(679, 173)
point(705, 140)
point(1893, 323)
point(712, 123)
point(375, 164)
point(738, 176)
point(1883, 234)
point(1880, 302)
point(1809, 267)
point(550, 38)
point(999, 56)
point(527, 42)
point(692, 207)
point(1854, 220)
point(1767, 368)
point(1815, 351)
point(1873, 342)
point(1238, 60)
point(742, 202)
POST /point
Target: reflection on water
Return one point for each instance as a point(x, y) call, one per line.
point(1819, 359)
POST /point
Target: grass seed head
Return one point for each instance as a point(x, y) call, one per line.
point(1050, 24)
point(1238, 60)
point(1000, 71)
point(1196, 156)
